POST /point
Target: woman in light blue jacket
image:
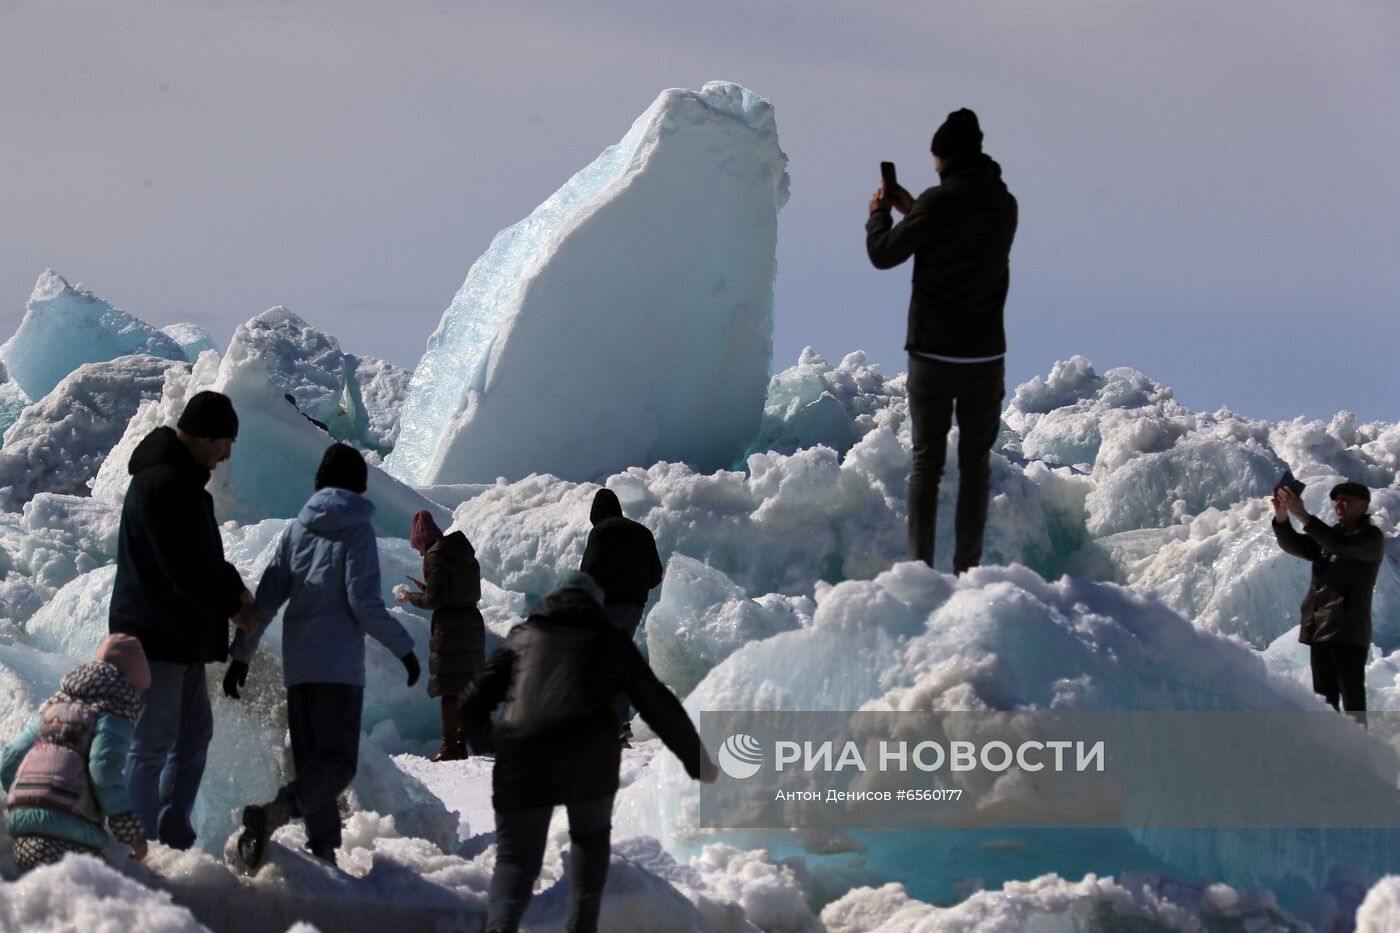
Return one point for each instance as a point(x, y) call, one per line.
point(326, 571)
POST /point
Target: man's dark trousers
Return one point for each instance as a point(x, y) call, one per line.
point(324, 720)
point(1339, 673)
point(938, 391)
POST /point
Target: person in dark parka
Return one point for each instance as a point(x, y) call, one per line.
point(1336, 612)
point(959, 234)
point(621, 557)
point(175, 593)
point(450, 588)
point(556, 743)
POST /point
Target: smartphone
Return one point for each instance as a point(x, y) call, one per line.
point(887, 174)
point(1289, 481)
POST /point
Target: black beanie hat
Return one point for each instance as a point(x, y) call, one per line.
point(343, 467)
point(960, 134)
point(209, 414)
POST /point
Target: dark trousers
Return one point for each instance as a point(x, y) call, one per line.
point(324, 720)
point(168, 750)
point(1339, 673)
point(625, 617)
point(937, 392)
point(520, 842)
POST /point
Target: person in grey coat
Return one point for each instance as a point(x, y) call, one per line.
point(1336, 612)
point(450, 589)
point(326, 571)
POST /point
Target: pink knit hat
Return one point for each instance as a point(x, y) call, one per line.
point(425, 531)
point(124, 653)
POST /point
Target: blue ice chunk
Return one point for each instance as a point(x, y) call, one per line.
point(647, 278)
point(64, 328)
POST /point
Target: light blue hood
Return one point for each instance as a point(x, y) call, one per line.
point(326, 572)
point(331, 510)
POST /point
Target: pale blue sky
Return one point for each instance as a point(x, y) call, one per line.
point(1208, 187)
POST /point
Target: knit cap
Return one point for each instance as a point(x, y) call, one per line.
point(960, 134)
point(209, 414)
point(425, 531)
point(124, 652)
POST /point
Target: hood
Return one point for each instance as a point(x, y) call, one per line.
point(333, 509)
point(163, 446)
point(455, 543)
point(99, 684)
point(605, 505)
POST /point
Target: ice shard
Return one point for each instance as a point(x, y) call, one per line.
point(65, 327)
point(626, 321)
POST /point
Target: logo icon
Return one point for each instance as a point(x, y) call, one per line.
point(740, 756)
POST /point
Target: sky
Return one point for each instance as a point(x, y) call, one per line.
point(1207, 188)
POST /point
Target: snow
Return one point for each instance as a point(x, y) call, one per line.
point(64, 327)
point(647, 278)
point(192, 338)
point(271, 471)
point(356, 399)
point(1050, 904)
point(1129, 566)
point(81, 893)
point(58, 444)
point(12, 400)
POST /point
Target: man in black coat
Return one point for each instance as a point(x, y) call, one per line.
point(1336, 619)
point(960, 235)
point(621, 557)
point(175, 593)
point(556, 743)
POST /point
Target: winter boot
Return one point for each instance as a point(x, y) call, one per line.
point(259, 823)
point(323, 851)
point(453, 748)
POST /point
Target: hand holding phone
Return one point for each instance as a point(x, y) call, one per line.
point(1289, 481)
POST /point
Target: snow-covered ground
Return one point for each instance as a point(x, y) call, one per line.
point(1128, 566)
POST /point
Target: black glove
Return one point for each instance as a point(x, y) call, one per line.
point(235, 677)
point(410, 664)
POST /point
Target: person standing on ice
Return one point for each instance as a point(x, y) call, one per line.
point(175, 593)
point(1336, 613)
point(326, 571)
point(556, 743)
point(621, 557)
point(64, 771)
point(960, 234)
point(450, 588)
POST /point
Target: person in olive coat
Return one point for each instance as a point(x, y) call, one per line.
point(450, 588)
point(1336, 613)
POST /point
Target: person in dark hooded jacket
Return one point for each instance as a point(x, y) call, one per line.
point(450, 588)
point(556, 743)
point(959, 234)
point(621, 557)
point(175, 593)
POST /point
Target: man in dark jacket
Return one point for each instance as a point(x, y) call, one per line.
point(621, 557)
point(175, 592)
point(1346, 559)
point(960, 235)
point(556, 743)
